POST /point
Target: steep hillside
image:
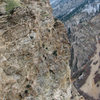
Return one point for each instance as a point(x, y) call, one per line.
point(84, 36)
point(82, 21)
point(85, 57)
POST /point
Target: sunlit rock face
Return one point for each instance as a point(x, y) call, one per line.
point(34, 54)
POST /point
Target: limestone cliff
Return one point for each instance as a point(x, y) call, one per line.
point(34, 54)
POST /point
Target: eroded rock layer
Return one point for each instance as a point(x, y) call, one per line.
point(34, 54)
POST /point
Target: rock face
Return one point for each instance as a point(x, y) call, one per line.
point(34, 54)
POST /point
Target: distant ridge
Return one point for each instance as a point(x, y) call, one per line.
point(65, 9)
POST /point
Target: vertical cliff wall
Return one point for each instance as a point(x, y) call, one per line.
point(34, 54)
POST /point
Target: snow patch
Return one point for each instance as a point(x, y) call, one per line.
point(92, 8)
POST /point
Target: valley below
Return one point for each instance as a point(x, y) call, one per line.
point(82, 22)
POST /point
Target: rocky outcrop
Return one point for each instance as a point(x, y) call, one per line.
point(34, 54)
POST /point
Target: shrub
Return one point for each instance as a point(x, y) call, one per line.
point(11, 4)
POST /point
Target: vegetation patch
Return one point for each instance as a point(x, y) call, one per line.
point(12, 4)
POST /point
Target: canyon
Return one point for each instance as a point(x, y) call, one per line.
point(82, 21)
point(50, 53)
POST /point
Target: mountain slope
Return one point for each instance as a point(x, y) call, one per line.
point(83, 30)
point(66, 9)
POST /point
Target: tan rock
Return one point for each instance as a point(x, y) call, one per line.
point(34, 54)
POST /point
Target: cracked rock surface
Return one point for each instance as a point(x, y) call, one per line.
point(34, 54)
